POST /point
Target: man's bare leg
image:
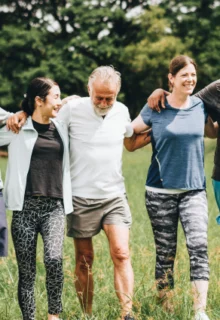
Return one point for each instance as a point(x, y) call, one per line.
point(83, 271)
point(118, 237)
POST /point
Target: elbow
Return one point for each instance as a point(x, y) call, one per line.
point(211, 136)
point(130, 148)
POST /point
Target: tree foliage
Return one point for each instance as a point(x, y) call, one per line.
point(67, 39)
point(196, 22)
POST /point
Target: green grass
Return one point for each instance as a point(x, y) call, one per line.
point(143, 260)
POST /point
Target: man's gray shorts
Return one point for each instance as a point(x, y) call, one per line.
point(90, 215)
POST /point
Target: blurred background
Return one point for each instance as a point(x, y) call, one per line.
point(67, 39)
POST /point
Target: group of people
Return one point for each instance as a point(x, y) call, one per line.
point(67, 160)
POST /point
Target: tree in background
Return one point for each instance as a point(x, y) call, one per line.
point(66, 39)
point(196, 22)
point(147, 60)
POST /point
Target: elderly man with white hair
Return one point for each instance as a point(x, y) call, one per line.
point(98, 127)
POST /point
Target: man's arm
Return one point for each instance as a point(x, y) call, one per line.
point(140, 138)
point(211, 96)
point(137, 141)
point(211, 129)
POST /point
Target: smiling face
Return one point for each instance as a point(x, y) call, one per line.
point(52, 103)
point(103, 96)
point(184, 81)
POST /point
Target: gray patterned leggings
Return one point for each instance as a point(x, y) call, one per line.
point(45, 216)
point(164, 211)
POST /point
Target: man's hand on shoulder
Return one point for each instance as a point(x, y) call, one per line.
point(69, 98)
point(157, 99)
point(15, 122)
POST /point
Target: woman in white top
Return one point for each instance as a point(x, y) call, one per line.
point(38, 190)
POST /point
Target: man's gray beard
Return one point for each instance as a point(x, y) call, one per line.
point(102, 112)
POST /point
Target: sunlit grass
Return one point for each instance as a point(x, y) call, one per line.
point(143, 260)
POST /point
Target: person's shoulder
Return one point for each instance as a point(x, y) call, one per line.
point(215, 87)
point(215, 83)
point(76, 106)
point(121, 108)
point(195, 101)
point(197, 105)
point(211, 90)
point(121, 105)
point(147, 110)
point(28, 124)
point(77, 102)
point(58, 124)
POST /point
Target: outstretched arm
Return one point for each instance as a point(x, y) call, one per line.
point(157, 99)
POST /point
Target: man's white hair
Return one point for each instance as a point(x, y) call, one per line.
point(105, 74)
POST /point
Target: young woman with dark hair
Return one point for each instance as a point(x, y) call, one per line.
point(38, 191)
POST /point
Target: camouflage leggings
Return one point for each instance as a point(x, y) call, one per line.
point(164, 211)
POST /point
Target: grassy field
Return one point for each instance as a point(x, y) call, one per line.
point(106, 306)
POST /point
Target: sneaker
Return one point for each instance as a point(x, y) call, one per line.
point(129, 317)
point(201, 315)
